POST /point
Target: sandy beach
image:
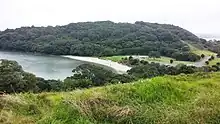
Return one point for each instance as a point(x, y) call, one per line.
point(119, 68)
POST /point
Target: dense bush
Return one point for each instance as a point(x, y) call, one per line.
point(13, 79)
point(154, 69)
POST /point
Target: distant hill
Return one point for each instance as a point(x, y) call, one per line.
point(102, 38)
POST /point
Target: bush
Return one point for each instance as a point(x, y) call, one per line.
point(71, 84)
point(144, 62)
point(202, 56)
point(14, 79)
point(134, 61)
point(218, 55)
point(207, 62)
point(171, 61)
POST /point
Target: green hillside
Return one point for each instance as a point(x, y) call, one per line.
point(200, 51)
point(101, 38)
point(162, 100)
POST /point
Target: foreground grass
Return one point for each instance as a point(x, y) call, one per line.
point(183, 99)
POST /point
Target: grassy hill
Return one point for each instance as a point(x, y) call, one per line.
point(206, 53)
point(162, 100)
point(200, 51)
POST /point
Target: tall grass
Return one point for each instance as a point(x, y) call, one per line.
point(183, 99)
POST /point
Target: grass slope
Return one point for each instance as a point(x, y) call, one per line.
point(166, 60)
point(205, 52)
point(215, 61)
point(200, 51)
point(179, 99)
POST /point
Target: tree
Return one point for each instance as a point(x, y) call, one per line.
point(218, 55)
point(55, 85)
point(154, 54)
point(134, 61)
point(88, 75)
point(144, 62)
point(14, 79)
point(215, 68)
point(171, 61)
point(185, 56)
point(218, 63)
point(130, 57)
point(71, 84)
point(186, 69)
point(202, 56)
point(98, 75)
point(212, 57)
point(207, 62)
point(43, 85)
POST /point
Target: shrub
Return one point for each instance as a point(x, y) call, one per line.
point(202, 56)
point(171, 61)
point(207, 62)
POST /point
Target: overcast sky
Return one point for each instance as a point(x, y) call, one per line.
point(198, 16)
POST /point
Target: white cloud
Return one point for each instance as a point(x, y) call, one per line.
point(198, 16)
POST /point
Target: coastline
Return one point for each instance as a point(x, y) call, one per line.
point(119, 68)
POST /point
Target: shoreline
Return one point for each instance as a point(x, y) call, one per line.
point(119, 68)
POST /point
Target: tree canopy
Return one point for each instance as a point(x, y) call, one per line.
point(102, 38)
point(13, 79)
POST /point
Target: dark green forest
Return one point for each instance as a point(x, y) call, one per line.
point(13, 79)
point(102, 38)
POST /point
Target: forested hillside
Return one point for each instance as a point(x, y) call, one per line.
point(103, 38)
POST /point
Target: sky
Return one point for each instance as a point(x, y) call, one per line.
point(197, 16)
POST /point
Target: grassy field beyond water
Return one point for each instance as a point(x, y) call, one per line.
point(162, 59)
point(183, 99)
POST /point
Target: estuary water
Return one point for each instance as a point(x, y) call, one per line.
point(45, 66)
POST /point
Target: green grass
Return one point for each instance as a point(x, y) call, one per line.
point(215, 61)
point(183, 99)
point(200, 52)
point(166, 60)
point(163, 59)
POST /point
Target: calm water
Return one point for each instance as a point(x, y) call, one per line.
point(48, 67)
